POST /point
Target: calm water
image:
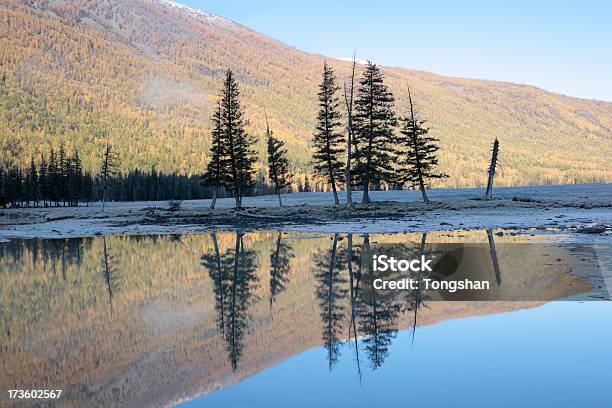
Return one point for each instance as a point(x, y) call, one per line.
point(557, 355)
point(259, 318)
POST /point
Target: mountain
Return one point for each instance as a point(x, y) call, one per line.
point(146, 74)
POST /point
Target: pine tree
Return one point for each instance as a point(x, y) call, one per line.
point(492, 170)
point(373, 124)
point(218, 165)
point(62, 174)
point(2, 181)
point(75, 179)
point(32, 184)
point(53, 179)
point(328, 137)
point(419, 159)
point(13, 185)
point(241, 156)
point(278, 164)
point(108, 170)
point(43, 187)
point(306, 187)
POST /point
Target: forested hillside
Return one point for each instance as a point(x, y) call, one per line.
point(146, 74)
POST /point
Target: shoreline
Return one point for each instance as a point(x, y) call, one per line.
point(582, 208)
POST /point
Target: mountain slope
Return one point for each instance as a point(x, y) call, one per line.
point(146, 73)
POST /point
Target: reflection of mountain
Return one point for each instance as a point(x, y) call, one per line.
point(167, 337)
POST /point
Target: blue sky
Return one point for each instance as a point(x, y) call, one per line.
point(565, 47)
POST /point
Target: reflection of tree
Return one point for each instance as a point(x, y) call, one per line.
point(280, 259)
point(377, 312)
point(68, 251)
point(234, 278)
point(111, 274)
point(330, 292)
point(354, 278)
point(217, 271)
point(493, 253)
point(416, 297)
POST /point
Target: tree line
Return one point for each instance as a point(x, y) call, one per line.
point(34, 187)
point(57, 180)
point(364, 145)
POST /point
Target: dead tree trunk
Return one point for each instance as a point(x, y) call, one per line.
point(348, 99)
point(492, 169)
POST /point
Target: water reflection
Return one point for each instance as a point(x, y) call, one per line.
point(280, 267)
point(234, 275)
point(331, 292)
point(141, 320)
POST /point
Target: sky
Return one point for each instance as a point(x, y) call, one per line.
point(561, 46)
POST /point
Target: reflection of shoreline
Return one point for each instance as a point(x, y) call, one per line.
point(163, 333)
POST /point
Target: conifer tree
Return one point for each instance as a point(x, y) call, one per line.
point(328, 137)
point(62, 174)
point(2, 198)
point(107, 170)
point(75, 179)
point(240, 153)
point(419, 159)
point(53, 179)
point(492, 170)
point(32, 184)
point(43, 187)
point(373, 124)
point(278, 164)
point(217, 167)
point(14, 185)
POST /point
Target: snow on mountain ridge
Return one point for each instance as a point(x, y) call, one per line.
point(357, 60)
point(196, 14)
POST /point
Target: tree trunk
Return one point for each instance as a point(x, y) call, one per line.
point(422, 188)
point(489, 193)
point(333, 184)
point(238, 199)
point(103, 195)
point(349, 111)
point(366, 196)
point(280, 201)
point(214, 199)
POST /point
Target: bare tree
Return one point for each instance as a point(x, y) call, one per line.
point(348, 99)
